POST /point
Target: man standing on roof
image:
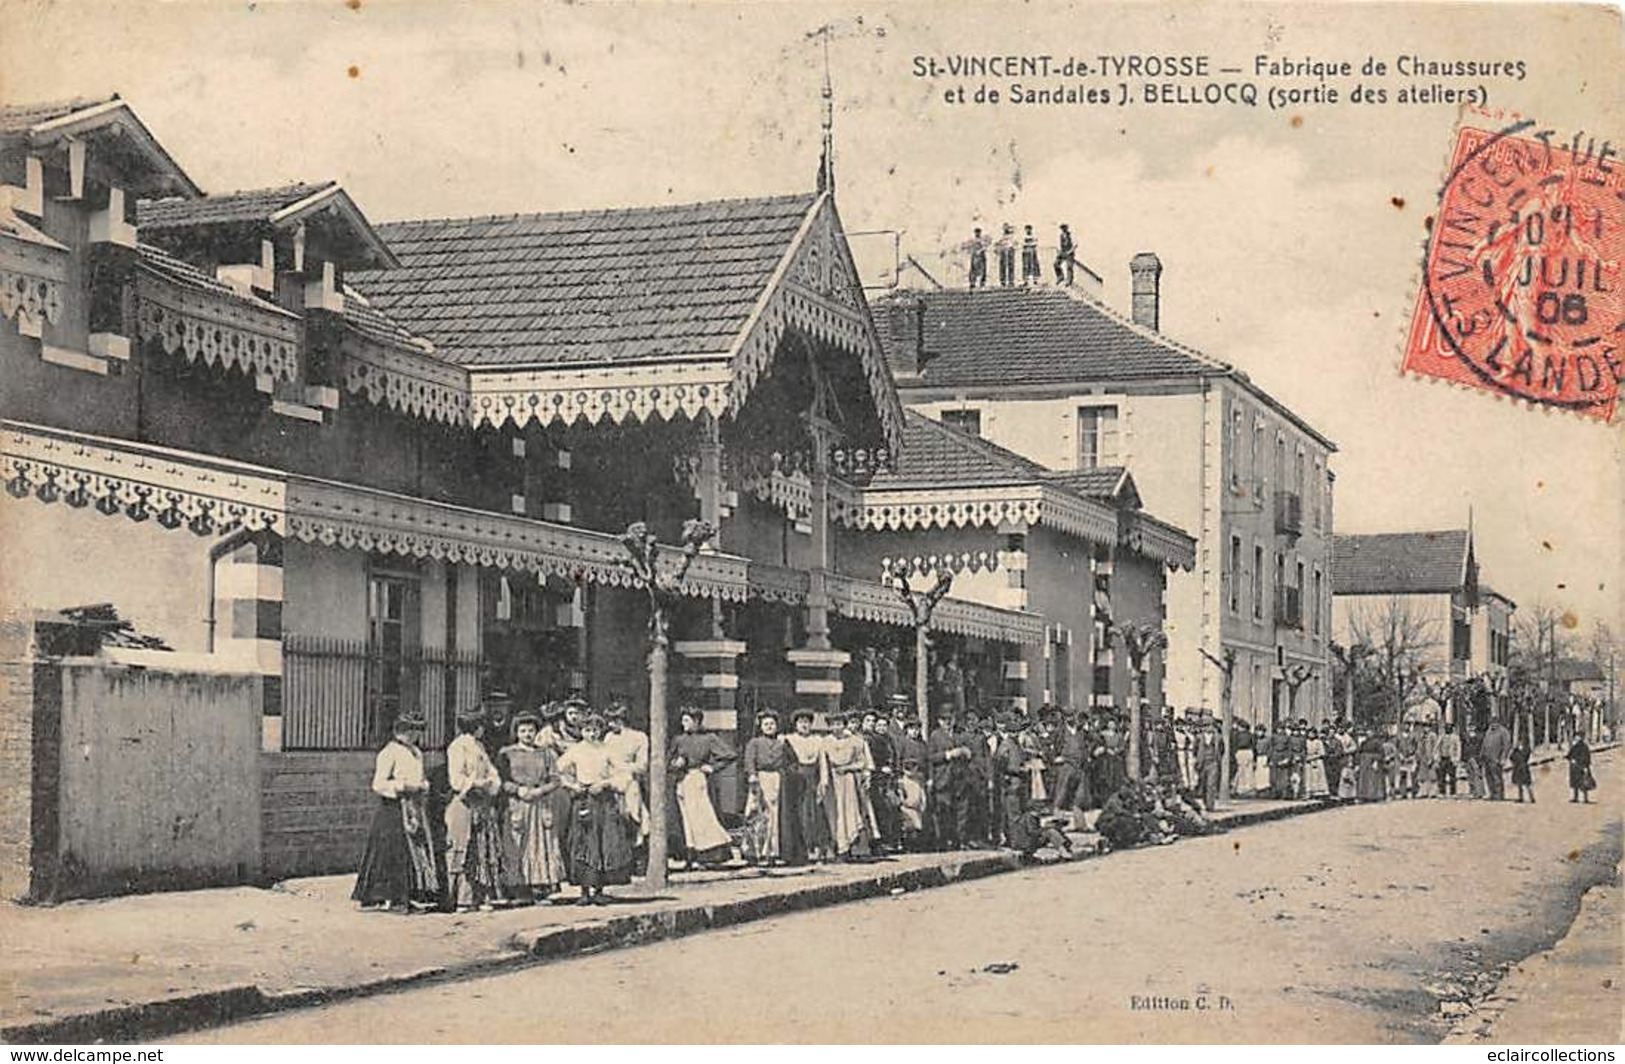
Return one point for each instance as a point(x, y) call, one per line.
point(1031, 272)
point(978, 258)
point(1006, 248)
point(1066, 256)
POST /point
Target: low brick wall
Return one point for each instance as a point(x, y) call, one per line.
point(314, 812)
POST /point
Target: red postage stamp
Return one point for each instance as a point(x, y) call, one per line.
point(1521, 282)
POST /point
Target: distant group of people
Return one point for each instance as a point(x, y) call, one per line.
point(536, 800)
point(1394, 762)
point(1005, 248)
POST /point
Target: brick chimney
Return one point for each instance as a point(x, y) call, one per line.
point(1145, 270)
point(905, 329)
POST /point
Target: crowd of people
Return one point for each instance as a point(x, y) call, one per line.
point(533, 802)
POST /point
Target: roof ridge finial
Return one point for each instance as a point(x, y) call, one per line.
point(826, 160)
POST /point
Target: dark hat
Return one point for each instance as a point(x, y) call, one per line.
point(575, 702)
point(767, 714)
point(471, 715)
point(802, 714)
point(691, 711)
point(527, 716)
point(592, 720)
point(410, 721)
point(496, 699)
point(552, 710)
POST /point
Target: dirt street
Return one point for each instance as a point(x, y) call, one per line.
point(1384, 923)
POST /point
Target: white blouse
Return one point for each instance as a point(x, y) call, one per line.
point(588, 763)
point(398, 766)
point(469, 767)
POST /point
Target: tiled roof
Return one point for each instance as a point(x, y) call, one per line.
point(17, 117)
point(1099, 483)
point(1400, 563)
point(185, 275)
point(255, 205)
point(933, 453)
point(1037, 335)
point(373, 323)
point(586, 286)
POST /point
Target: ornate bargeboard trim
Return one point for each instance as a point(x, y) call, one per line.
point(817, 294)
point(410, 381)
point(209, 496)
point(1156, 539)
point(353, 518)
point(598, 392)
point(219, 329)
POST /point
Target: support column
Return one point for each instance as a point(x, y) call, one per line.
point(818, 677)
point(711, 681)
point(248, 621)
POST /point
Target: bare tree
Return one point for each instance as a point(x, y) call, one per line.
point(1402, 639)
point(922, 604)
point(1349, 657)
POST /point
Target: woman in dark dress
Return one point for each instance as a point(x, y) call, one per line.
point(1521, 778)
point(772, 813)
point(1581, 782)
point(600, 842)
point(398, 868)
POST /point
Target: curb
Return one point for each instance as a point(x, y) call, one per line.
point(150, 1020)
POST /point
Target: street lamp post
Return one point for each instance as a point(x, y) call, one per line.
point(663, 585)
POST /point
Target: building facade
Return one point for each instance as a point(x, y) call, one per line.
point(1057, 376)
point(1422, 594)
point(387, 468)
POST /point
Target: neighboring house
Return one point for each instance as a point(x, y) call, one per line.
point(1060, 378)
point(1586, 679)
point(387, 467)
point(1074, 548)
point(1424, 587)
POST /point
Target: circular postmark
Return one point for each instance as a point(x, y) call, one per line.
point(1521, 279)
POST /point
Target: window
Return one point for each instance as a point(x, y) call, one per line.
point(1258, 583)
point(1279, 483)
point(967, 421)
point(1280, 574)
point(1316, 603)
point(1236, 417)
point(1258, 452)
point(1297, 480)
point(1235, 574)
point(392, 637)
point(1097, 436)
point(1314, 496)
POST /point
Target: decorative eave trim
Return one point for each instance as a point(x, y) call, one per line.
point(222, 329)
point(593, 393)
point(355, 518)
point(208, 495)
point(1156, 539)
point(892, 509)
point(866, 600)
point(32, 277)
point(404, 379)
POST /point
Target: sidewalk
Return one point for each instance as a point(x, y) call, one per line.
point(139, 966)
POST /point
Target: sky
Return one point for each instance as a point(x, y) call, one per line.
point(1290, 239)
